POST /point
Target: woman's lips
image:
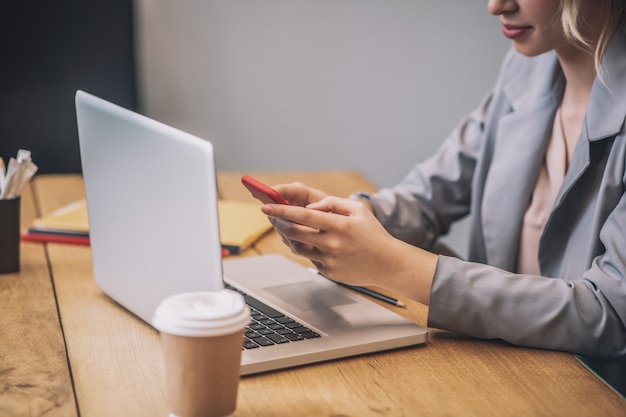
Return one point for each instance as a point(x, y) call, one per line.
point(513, 31)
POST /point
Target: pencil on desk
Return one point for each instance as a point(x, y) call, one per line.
point(366, 291)
point(374, 294)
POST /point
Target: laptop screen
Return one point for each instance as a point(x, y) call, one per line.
point(152, 206)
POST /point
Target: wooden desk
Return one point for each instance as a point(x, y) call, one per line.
point(68, 350)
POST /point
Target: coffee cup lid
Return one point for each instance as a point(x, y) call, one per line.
point(203, 313)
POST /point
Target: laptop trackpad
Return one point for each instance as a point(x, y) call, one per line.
point(309, 295)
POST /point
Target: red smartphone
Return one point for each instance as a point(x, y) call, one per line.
point(262, 192)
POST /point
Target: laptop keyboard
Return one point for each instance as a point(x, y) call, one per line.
point(270, 327)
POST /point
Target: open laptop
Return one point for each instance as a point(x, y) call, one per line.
point(152, 204)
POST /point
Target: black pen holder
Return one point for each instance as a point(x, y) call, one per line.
point(9, 235)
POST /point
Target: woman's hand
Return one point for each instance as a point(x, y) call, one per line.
point(346, 242)
point(299, 194)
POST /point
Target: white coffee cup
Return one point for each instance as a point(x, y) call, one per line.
point(201, 339)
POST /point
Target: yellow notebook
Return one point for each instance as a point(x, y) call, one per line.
point(241, 222)
point(70, 218)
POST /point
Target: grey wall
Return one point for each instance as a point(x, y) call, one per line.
point(318, 84)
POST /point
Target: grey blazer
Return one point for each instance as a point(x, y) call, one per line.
point(487, 169)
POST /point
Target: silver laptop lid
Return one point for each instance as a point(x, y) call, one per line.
point(143, 210)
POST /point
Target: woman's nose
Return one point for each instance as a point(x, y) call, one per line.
point(498, 7)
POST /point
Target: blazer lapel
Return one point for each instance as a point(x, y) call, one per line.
point(605, 115)
point(605, 119)
point(522, 137)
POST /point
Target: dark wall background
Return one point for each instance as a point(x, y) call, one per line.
point(48, 50)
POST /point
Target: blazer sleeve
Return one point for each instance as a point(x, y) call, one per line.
point(584, 315)
point(435, 192)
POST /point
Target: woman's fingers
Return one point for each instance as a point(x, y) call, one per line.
point(299, 194)
point(323, 215)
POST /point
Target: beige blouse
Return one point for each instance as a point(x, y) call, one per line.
point(550, 179)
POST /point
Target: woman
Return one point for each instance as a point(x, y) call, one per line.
point(540, 166)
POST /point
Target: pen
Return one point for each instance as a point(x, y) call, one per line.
point(2, 173)
point(367, 291)
point(373, 293)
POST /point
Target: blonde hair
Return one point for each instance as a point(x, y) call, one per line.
point(572, 20)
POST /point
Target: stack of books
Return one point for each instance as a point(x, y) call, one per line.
point(241, 224)
point(69, 224)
